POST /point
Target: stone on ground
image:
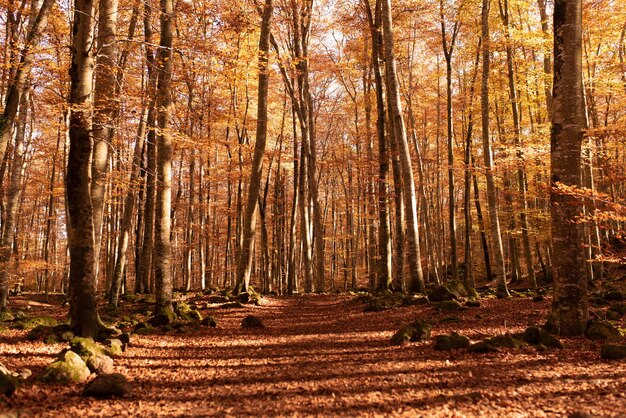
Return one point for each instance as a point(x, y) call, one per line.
point(209, 321)
point(440, 294)
point(252, 321)
point(451, 341)
point(417, 331)
point(67, 368)
point(613, 351)
point(108, 386)
point(602, 331)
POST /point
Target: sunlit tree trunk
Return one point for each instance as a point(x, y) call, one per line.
point(416, 278)
point(498, 260)
point(570, 310)
point(244, 264)
point(105, 104)
point(163, 202)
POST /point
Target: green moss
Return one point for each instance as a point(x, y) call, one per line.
point(30, 323)
point(417, 331)
point(68, 368)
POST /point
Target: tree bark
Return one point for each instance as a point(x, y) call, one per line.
point(82, 289)
point(244, 264)
point(570, 310)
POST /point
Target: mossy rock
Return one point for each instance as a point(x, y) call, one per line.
point(114, 346)
point(68, 368)
point(86, 347)
point(181, 308)
point(505, 341)
point(209, 321)
point(211, 290)
point(614, 295)
point(130, 297)
point(613, 316)
point(218, 299)
point(602, 331)
point(618, 308)
point(252, 321)
point(535, 336)
point(148, 299)
point(6, 316)
point(538, 298)
point(143, 328)
point(195, 316)
point(100, 363)
point(440, 294)
point(415, 300)
point(613, 351)
point(163, 318)
point(450, 319)
point(30, 323)
point(40, 333)
point(385, 301)
point(231, 305)
point(8, 382)
point(482, 347)
point(472, 303)
point(108, 386)
point(599, 301)
point(418, 331)
point(451, 341)
point(448, 306)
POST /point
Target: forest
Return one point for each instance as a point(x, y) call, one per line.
point(313, 207)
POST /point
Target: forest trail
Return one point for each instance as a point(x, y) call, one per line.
point(323, 355)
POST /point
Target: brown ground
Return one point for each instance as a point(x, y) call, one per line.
point(324, 356)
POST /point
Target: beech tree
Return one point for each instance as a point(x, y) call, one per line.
point(82, 283)
point(570, 311)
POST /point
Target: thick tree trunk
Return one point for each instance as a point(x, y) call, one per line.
point(82, 280)
point(570, 310)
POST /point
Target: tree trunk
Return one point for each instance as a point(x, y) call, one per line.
point(498, 262)
point(416, 278)
point(570, 310)
point(244, 264)
point(162, 228)
point(82, 280)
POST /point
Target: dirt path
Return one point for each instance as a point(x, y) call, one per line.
point(324, 356)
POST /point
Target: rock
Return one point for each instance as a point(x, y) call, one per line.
point(613, 351)
point(414, 300)
point(130, 297)
point(231, 305)
point(449, 319)
point(448, 306)
point(30, 323)
point(614, 295)
point(482, 348)
point(181, 308)
point(417, 331)
point(613, 316)
point(108, 386)
point(195, 316)
point(252, 321)
point(8, 382)
point(534, 335)
point(472, 303)
point(440, 294)
point(40, 333)
point(598, 301)
point(618, 308)
point(602, 331)
point(218, 299)
point(163, 318)
point(68, 368)
point(124, 338)
point(538, 298)
point(451, 341)
point(6, 316)
point(209, 321)
point(115, 347)
point(100, 364)
point(243, 297)
point(384, 302)
point(505, 341)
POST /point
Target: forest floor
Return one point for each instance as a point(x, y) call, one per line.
point(322, 355)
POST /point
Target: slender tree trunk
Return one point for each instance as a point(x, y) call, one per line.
point(498, 263)
point(244, 264)
point(105, 104)
point(162, 248)
point(416, 278)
